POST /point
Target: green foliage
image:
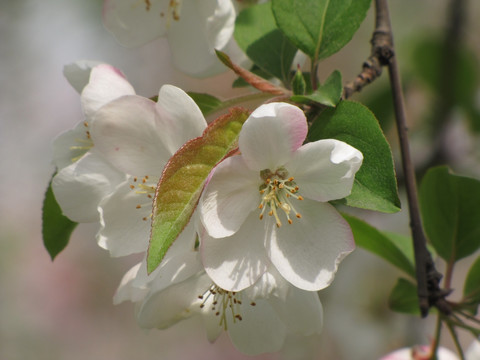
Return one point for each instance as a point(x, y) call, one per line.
point(183, 178)
point(397, 250)
point(327, 94)
point(471, 289)
point(207, 103)
point(258, 36)
point(450, 212)
point(319, 28)
point(404, 298)
point(375, 185)
point(56, 228)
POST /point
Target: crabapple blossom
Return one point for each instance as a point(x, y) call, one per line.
point(194, 28)
point(138, 136)
point(83, 176)
point(270, 204)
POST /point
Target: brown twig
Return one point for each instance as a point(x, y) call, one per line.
point(383, 54)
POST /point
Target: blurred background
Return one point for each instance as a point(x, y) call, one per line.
point(63, 309)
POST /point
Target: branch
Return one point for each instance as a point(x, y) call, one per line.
point(383, 54)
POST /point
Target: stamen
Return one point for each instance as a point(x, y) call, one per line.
point(276, 191)
point(224, 304)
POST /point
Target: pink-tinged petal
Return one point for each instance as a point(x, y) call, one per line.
point(260, 331)
point(180, 301)
point(123, 230)
point(106, 83)
point(271, 135)
point(236, 262)
point(78, 73)
point(307, 252)
point(204, 25)
point(127, 290)
point(325, 170)
point(230, 196)
point(80, 187)
point(135, 23)
point(179, 118)
point(127, 133)
point(421, 353)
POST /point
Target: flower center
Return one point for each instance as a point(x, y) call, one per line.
point(82, 145)
point(277, 190)
point(144, 186)
point(224, 304)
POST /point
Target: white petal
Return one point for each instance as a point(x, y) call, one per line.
point(229, 197)
point(71, 145)
point(325, 169)
point(126, 132)
point(80, 187)
point(271, 134)
point(271, 283)
point(473, 351)
point(204, 25)
point(106, 84)
point(123, 230)
point(238, 261)
point(301, 311)
point(179, 117)
point(127, 290)
point(164, 308)
point(135, 23)
point(307, 252)
point(78, 73)
point(260, 330)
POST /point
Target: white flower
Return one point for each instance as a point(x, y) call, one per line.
point(83, 176)
point(420, 353)
point(194, 28)
point(257, 319)
point(138, 136)
point(304, 237)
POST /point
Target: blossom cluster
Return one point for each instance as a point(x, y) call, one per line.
point(263, 238)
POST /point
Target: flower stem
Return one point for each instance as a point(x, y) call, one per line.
point(436, 340)
point(455, 340)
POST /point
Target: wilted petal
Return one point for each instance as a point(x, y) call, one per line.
point(238, 261)
point(230, 196)
point(126, 131)
point(80, 187)
point(271, 134)
point(307, 252)
point(106, 83)
point(325, 169)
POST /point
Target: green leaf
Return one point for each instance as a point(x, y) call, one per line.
point(327, 94)
point(404, 298)
point(319, 28)
point(375, 185)
point(471, 289)
point(56, 228)
point(299, 86)
point(258, 36)
point(398, 252)
point(183, 178)
point(207, 103)
point(450, 212)
point(429, 60)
